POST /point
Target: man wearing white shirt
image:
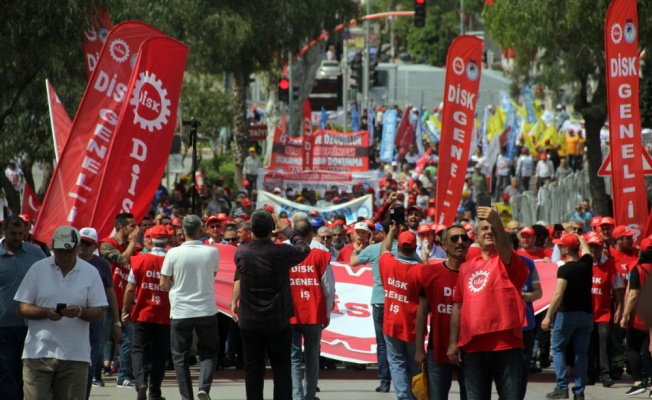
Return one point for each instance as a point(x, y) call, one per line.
point(524, 168)
point(503, 166)
point(545, 170)
point(60, 295)
point(188, 273)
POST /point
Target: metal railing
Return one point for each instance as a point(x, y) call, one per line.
point(554, 203)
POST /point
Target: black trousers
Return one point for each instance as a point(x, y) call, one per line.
point(528, 345)
point(149, 352)
point(278, 346)
point(599, 355)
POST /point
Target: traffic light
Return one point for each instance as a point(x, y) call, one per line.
point(284, 90)
point(296, 93)
point(419, 13)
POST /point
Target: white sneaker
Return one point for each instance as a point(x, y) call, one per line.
point(202, 395)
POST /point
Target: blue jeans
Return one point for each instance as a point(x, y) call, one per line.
point(440, 378)
point(577, 326)
point(95, 338)
point(124, 372)
point(311, 335)
point(402, 365)
point(384, 375)
point(481, 368)
point(12, 340)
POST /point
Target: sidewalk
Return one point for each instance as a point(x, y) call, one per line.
point(347, 384)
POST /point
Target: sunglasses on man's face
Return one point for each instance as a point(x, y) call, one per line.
point(235, 239)
point(456, 238)
point(326, 237)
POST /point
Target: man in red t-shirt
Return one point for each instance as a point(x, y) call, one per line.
point(528, 248)
point(313, 289)
point(488, 313)
point(399, 276)
point(438, 281)
point(150, 315)
point(607, 286)
point(623, 252)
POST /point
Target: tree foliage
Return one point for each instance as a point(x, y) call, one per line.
point(562, 42)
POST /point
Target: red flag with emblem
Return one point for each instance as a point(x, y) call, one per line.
point(139, 151)
point(67, 201)
point(59, 119)
point(627, 176)
point(93, 40)
point(31, 203)
point(306, 130)
point(463, 69)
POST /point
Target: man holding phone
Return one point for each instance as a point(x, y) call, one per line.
point(57, 351)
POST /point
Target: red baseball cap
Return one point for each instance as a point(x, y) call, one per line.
point(595, 221)
point(568, 240)
point(168, 228)
point(269, 208)
point(221, 216)
point(646, 244)
point(158, 232)
point(607, 221)
point(176, 221)
point(431, 211)
point(425, 228)
point(211, 219)
point(246, 202)
point(527, 231)
point(622, 230)
point(407, 240)
point(413, 208)
point(593, 238)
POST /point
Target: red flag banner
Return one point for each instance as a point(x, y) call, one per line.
point(306, 131)
point(93, 40)
point(463, 70)
point(287, 153)
point(350, 335)
point(59, 119)
point(341, 152)
point(31, 203)
point(92, 131)
point(627, 176)
point(405, 132)
point(421, 162)
point(139, 151)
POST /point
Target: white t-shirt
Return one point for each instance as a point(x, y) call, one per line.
point(45, 286)
point(192, 267)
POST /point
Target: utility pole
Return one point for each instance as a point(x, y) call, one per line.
point(461, 17)
point(345, 75)
point(367, 54)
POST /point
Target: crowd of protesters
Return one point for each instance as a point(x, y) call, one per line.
point(155, 288)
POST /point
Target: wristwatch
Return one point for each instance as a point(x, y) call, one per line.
point(118, 324)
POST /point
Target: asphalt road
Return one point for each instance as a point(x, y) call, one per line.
point(349, 385)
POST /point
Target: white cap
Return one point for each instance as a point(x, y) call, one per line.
point(89, 233)
point(277, 189)
point(361, 226)
point(65, 238)
point(394, 163)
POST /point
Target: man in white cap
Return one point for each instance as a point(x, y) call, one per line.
point(361, 234)
point(60, 295)
point(87, 248)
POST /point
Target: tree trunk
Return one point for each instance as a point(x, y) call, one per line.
point(28, 164)
point(241, 129)
point(12, 197)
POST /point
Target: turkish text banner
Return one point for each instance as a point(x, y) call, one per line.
point(319, 181)
point(351, 210)
point(66, 201)
point(627, 178)
point(462, 82)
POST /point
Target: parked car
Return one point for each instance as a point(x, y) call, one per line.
point(329, 70)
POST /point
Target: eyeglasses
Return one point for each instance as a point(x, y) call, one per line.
point(235, 239)
point(578, 230)
point(456, 238)
point(326, 237)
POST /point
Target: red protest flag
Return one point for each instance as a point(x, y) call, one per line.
point(93, 40)
point(31, 203)
point(68, 199)
point(462, 82)
point(140, 148)
point(627, 175)
point(61, 123)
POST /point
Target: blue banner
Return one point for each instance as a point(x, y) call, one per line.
point(324, 118)
point(389, 135)
point(418, 132)
point(355, 118)
point(528, 100)
point(508, 128)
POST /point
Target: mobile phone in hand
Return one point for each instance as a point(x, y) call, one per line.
point(60, 307)
point(397, 214)
point(484, 200)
